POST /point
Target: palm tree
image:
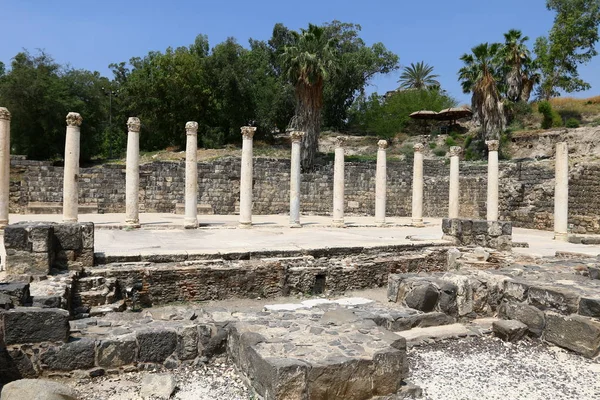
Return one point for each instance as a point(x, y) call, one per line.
point(418, 76)
point(307, 62)
point(513, 55)
point(480, 76)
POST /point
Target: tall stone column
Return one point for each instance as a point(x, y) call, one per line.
point(561, 192)
point(71, 171)
point(381, 183)
point(453, 190)
point(492, 187)
point(132, 173)
point(191, 176)
point(246, 178)
point(417, 187)
point(4, 166)
point(338, 183)
point(296, 137)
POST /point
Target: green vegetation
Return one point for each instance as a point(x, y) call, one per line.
point(432, 145)
point(572, 123)
point(418, 76)
point(551, 117)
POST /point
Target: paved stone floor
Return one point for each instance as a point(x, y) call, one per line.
point(219, 233)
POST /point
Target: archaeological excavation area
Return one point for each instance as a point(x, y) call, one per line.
point(342, 287)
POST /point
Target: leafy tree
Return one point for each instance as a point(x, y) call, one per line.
point(480, 75)
point(513, 55)
point(571, 41)
point(418, 76)
point(307, 63)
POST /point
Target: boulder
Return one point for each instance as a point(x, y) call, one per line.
point(529, 315)
point(157, 386)
point(422, 296)
point(37, 389)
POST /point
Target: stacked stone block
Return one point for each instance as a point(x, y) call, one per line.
point(468, 232)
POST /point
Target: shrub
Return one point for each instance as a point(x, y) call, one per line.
point(440, 152)
point(572, 123)
point(432, 145)
point(450, 142)
point(551, 117)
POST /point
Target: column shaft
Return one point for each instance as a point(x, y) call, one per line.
point(417, 189)
point(454, 187)
point(132, 173)
point(561, 192)
point(71, 171)
point(492, 187)
point(338, 184)
point(381, 183)
point(246, 177)
point(4, 166)
point(191, 176)
point(295, 177)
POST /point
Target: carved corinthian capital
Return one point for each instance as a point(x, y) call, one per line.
point(418, 147)
point(74, 119)
point(339, 141)
point(492, 145)
point(382, 144)
point(248, 131)
point(133, 124)
point(191, 128)
point(4, 113)
point(455, 151)
point(296, 136)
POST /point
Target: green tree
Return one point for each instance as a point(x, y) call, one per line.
point(513, 55)
point(480, 76)
point(307, 62)
point(418, 76)
point(570, 42)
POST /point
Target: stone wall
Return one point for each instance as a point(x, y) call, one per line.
point(526, 189)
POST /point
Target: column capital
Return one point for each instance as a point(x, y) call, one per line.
point(455, 151)
point(418, 147)
point(339, 141)
point(382, 144)
point(248, 131)
point(74, 119)
point(296, 136)
point(191, 128)
point(4, 113)
point(133, 124)
point(492, 145)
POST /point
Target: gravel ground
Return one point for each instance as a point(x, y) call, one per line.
point(487, 368)
point(217, 380)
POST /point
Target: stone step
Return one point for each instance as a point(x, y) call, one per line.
point(93, 298)
point(90, 283)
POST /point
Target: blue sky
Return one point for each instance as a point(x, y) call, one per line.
point(92, 34)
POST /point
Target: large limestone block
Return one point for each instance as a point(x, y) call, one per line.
point(574, 332)
point(37, 389)
point(34, 325)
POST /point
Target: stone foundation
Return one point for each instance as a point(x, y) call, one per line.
point(468, 232)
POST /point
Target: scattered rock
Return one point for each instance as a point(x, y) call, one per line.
point(158, 386)
point(37, 389)
point(509, 330)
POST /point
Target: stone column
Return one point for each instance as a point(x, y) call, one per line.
point(4, 166)
point(492, 187)
point(191, 176)
point(453, 189)
point(417, 187)
point(338, 183)
point(381, 183)
point(71, 171)
point(132, 173)
point(561, 192)
point(296, 137)
point(246, 178)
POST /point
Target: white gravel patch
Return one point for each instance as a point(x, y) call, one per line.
point(487, 368)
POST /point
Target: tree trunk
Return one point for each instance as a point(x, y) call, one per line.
point(489, 111)
point(527, 88)
point(308, 115)
point(514, 83)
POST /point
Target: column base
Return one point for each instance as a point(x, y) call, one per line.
point(132, 223)
point(562, 236)
point(418, 222)
point(245, 225)
point(69, 220)
point(294, 224)
point(3, 224)
point(380, 224)
point(339, 224)
point(190, 223)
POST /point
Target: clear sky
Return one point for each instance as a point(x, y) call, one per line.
point(92, 34)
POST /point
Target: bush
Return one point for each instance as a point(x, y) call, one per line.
point(450, 142)
point(440, 152)
point(432, 145)
point(551, 117)
point(572, 123)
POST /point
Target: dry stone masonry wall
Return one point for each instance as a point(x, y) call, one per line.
point(526, 189)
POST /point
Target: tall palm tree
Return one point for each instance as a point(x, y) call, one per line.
point(480, 76)
point(418, 76)
point(307, 63)
point(513, 55)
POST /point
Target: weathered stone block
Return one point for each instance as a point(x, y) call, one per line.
point(574, 332)
point(21, 262)
point(589, 307)
point(187, 344)
point(18, 292)
point(16, 237)
point(87, 234)
point(34, 325)
point(509, 330)
point(114, 353)
point(549, 297)
point(37, 389)
point(529, 315)
point(68, 236)
point(422, 296)
point(156, 344)
point(78, 354)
